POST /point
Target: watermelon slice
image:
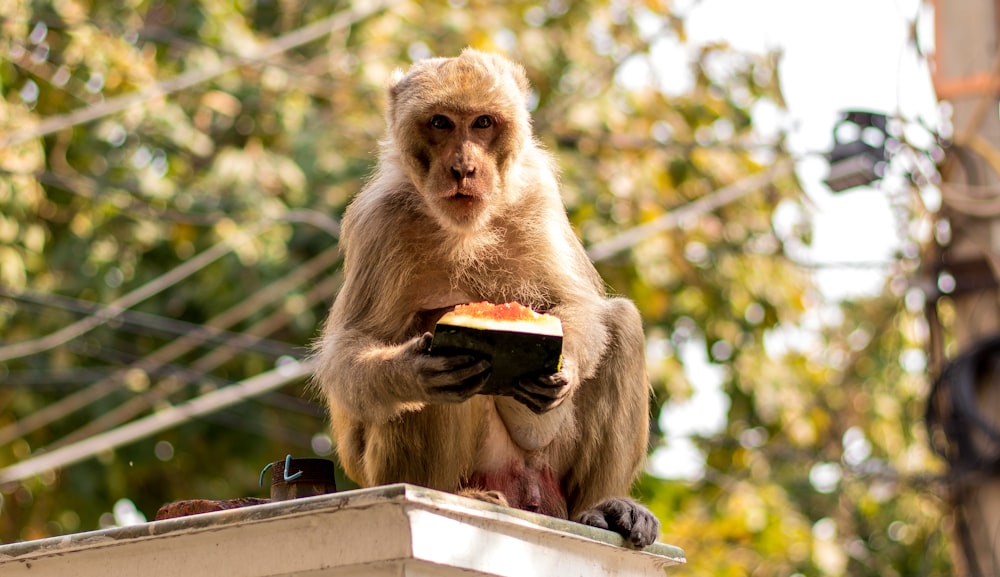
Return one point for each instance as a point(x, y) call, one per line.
point(518, 341)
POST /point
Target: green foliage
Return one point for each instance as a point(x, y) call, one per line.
point(810, 472)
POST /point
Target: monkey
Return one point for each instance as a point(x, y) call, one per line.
point(464, 205)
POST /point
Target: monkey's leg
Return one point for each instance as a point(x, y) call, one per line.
point(434, 447)
point(612, 415)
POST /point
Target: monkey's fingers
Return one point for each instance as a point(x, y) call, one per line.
point(542, 393)
point(458, 392)
point(438, 371)
point(554, 381)
point(453, 379)
point(423, 343)
point(444, 364)
point(552, 386)
point(539, 404)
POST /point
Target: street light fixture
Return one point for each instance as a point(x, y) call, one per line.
point(858, 156)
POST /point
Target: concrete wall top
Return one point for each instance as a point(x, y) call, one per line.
point(396, 530)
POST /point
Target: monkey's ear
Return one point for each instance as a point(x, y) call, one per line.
point(515, 70)
point(392, 85)
point(392, 89)
point(521, 77)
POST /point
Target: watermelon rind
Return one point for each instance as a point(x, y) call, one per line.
point(513, 355)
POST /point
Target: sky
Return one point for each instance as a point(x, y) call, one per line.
point(837, 55)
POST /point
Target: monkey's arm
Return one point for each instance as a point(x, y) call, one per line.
point(585, 340)
point(581, 305)
point(376, 379)
point(373, 359)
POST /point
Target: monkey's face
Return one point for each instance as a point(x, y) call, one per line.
point(458, 125)
point(457, 165)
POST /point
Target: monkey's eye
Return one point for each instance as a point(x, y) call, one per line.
point(483, 122)
point(441, 122)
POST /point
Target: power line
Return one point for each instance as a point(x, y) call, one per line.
point(161, 421)
point(116, 308)
point(202, 366)
point(157, 285)
point(166, 36)
point(293, 404)
point(192, 78)
point(242, 421)
point(97, 190)
point(88, 187)
point(48, 380)
point(172, 350)
point(147, 321)
point(629, 238)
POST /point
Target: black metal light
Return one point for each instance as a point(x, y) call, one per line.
point(858, 153)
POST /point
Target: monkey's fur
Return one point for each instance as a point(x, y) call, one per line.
point(464, 207)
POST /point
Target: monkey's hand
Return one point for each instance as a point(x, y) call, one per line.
point(447, 378)
point(543, 393)
point(628, 518)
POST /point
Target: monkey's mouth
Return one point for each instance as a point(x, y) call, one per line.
point(463, 198)
point(463, 207)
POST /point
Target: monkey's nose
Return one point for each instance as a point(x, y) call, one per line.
point(461, 173)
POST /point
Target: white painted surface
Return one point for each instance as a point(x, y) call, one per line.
point(398, 531)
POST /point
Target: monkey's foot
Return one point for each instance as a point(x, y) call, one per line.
point(198, 506)
point(494, 497)
point(626, 517)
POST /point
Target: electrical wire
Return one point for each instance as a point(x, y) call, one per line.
point(161, 283)
point(48, 380)
point(961, 434)
point(136, 405)
point(252, 304)
point(53, 380)
point(305, 80)
point(99, 191)
point(157, 422)
point(88, 187)
point(147, 322)
point(978, 144)
point(134, 297)
point(242, 421)
point(294, 39)
point(957, 198)
point(703, 205)
point(166, 36)
point(293, 404)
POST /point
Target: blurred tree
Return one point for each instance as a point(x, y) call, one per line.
point(820, 465)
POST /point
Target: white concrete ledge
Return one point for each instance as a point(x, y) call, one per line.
point(397, 530)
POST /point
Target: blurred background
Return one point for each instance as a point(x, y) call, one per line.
point(173, 172)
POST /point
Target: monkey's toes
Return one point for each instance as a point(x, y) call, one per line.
point(626, 517)
point(492, 497)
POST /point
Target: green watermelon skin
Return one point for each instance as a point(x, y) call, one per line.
point(512, 355)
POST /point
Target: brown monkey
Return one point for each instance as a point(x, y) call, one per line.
point(465, 206)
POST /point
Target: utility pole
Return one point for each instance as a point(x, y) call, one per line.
point(966, 268)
